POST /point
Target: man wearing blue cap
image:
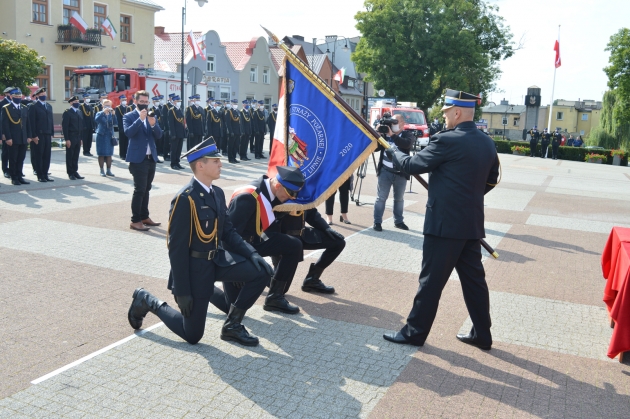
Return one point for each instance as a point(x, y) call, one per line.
point(40, 116)
point(194, 122)
point(17, 134)
point(534, 136)
point(234, 128)
point(463, 166)
point(271, 123)
point(199, 233)
point(214, 124)
point(123, 141)
point(89, 126)
point(72, 127)
point(5, 150)
point(246, 138)
point(177, 132)
point(258, 121)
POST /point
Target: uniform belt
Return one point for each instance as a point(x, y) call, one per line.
point(294, 232)
point(203, 255)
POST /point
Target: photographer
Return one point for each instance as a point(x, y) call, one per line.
point(391, 129)
point(105, 137)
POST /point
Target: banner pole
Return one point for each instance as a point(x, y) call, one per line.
point(553, 88)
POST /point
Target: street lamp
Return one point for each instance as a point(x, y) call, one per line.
point(505, 118)
point(181, 67)
point(333, 39)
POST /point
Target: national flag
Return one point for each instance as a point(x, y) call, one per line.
point(78, 21)
point(556, 48)
point(194, 44)
point(340, 75)
point(316, 133)
point(264, 211)
point(108, 27)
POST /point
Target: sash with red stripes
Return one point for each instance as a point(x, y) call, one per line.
point(264, 211)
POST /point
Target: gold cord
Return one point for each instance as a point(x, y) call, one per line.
point(85, 113)
point(232, 116)
point(214, 119)
point(192, 113)
point(245, 117)
point(180, 120)
point(273, 116)
point(203, 237)
point(19, 121)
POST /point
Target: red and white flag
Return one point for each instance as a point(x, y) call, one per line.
point(556, 48)
point(340, 75)
point(78, 21)
point(278, 152)
point(195, 46)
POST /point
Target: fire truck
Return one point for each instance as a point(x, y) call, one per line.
point(97, 79)
point(414, 119)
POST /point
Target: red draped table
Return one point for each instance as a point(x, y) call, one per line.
point(616, 270)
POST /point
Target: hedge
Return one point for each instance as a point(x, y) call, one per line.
point(564, 153)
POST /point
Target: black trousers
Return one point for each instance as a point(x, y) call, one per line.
point(439, 256)
point(224, 144)
point(166, 144)
point(40, 155)
point(72, 157)
point(192, 328)
point(344, 198)
point(143, 174)
point(259, 140)
point(17, 154)
point(86, 136)
point(543, 151)
point(289, 252)
point(332, 249)
point(554, 150)
point(176, 150)
point(252, 138)
point(232, 146)
point(532, 147)
point(193, 140)
point(243, 145)
point(123, 144)
point(5, 158)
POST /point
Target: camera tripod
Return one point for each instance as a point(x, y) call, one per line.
point(358, 183)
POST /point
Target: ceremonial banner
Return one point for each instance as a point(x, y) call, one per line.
point(316, 133)
point(78, 22)
point(196, 49)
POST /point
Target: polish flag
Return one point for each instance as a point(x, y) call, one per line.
point(78, 21)
point(556, 48)
point(195, 46)
point(278, 149)
point(340, 75)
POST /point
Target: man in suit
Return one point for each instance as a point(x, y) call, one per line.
point(17, 135)
point(258, 119)
point(142, 130)
point(534, 136)
point(123, 141)
point(5, 148)
point(72, 127)
point(89, 126)
point(246, 123)
point(40, 116)
point(199, 235)
point(463, 166)
point(214, 123)
point(234, 129)
point(194, 122)
point(177, 131)
point(251, 215)
point(271, 123)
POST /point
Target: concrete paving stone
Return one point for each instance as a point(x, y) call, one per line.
point(572, 224)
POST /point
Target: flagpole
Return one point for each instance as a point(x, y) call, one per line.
point(553, 88)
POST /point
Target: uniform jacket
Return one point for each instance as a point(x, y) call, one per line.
point(194, 120)
point(176, 123)
point(289, 224)
point(534, 134)
point(40, 116)
point(120, 112)
point(193, 276)
point(271, 123)
point(3, 102)
point(97, 108)
point(88, 117)
point(72, 125)
point(545, 137)
point(246, 122)
point(158, 116)
point(556, 138)
point(233, 122)
point(15, 125)
point(214, 124)
point(242, 212)
point(140, 135)
point(463, 166)
point(258, 122)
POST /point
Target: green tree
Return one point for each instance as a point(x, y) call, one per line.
point(615, 119)
point(414, 49)
point(19, 65)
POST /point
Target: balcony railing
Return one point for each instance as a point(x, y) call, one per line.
point(72, 37)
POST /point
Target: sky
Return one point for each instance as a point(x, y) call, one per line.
point(586, 27)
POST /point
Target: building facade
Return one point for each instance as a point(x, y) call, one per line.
point(505, 120)
point(43, 25)
point(573, 117)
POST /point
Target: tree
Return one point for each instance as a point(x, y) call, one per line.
point(19, 65)
point(414, 49)
point(615, 118)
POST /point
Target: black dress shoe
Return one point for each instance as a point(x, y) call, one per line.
point(15, 182)
point(7, 175)
point(377, 227)
point(236, 161)
point(470, 341)
point(23, 182)
point(71, 177)
point(180, 167)
point(397, 337)
point(401, 226)
point(49, 179)
point(174, 167)
point(233, 330)
point(167, 158)
point(78, 176)
point(245, 158)
point(39, 179)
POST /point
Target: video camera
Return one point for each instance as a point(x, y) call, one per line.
point(151, 113)
point(385, 123)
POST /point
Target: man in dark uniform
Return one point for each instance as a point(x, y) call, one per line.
point(198, 231)
point(89, 125)
point(252, 217)
point(258, 120)
point(234, 129)
point(17, 134)
point(72, 127)
point(246, 130)
point(132, 105)
point(545, 137)
point(271, 123)
point(177, 132)
point(223, 107)
point(534, 136)
point(556, 139)
point(27, 102)
point(40, 116)
point(5, 149)
point(99, 106)
point(123, 141)
point(155, 106)
point(194, 122)
point(167, 133)
point(214, 124)
point(463, 166)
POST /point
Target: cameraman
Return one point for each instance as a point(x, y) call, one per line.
point(392, 131)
